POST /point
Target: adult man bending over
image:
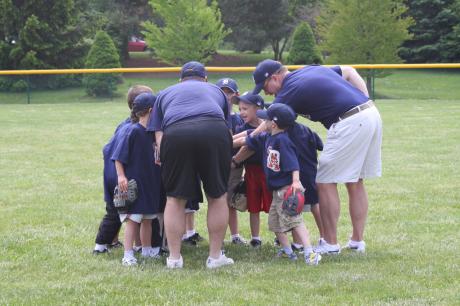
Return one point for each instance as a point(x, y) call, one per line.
point(191, 124)
point(337, 97)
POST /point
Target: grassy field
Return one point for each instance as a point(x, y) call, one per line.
point(51, 204)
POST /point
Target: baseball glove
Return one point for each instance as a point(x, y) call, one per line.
point(238, 200)
point(293, 202)
point(124, 200)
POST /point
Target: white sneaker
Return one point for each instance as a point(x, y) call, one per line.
point(175, 263)
point(152, 253)
point(223, 260)
point(129, 261)
point(312, 259)
point(357, 246)
point(328, 249)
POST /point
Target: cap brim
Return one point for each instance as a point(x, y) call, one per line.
point(234, 91)
point(262, 114)
point(258, 88)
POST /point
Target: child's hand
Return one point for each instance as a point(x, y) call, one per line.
point(123, 183)
point(297, 186)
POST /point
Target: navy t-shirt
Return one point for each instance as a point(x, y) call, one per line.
point(279, 157)
point(188, 100)
point(135, 151)
point(319, 93)
point(307, 144)
point(236, 121)
point(109, 172)
point(256, 158)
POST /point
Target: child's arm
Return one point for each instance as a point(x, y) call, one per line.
point(296, 184)
point(261, 128)
point(243, 154)
point(243, 134)
point(239, 142)
point(158, 137)
point(122, 180)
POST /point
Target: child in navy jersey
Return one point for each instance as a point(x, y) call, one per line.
point(134, 159)
point(109, 227)
point(281, 168)
point(257, 194)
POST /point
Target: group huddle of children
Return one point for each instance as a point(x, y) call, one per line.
point(283, 157)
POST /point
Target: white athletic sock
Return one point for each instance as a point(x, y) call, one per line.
point(129, 254)
point(235, 236)
point(190, 233)
point(256, 238)
point(146, 251)
point(297, 245)
point(100, 247)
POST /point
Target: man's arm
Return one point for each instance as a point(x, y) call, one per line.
point(350, 75)
point(158, 137)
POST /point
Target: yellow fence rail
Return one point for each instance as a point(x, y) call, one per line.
point(217, 69)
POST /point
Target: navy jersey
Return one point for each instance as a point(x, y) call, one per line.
point(320, 93)
point(256, 158)
point(110, 179)
point(279, 157)
point(236, 121)
point(191, 99)
point(135, 151)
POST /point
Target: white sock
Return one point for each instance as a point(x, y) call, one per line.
point(129, 253)
point(156, 250)
point(146, 251)
point(137, 248)
point(297, 245)
point(190, 233)
point(100, 247)
point(235, 236)
point(256, 238)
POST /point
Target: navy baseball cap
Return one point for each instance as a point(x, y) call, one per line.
point(228, 83)
point(282, 114)
point(263, 71)
point(249, 98)
point(144, 101)
point(193, 68)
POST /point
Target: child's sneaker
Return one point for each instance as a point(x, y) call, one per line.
point(283, 254)
point(296, 248)
point(276, 242)
point(115, 245)
point(357, 246)
point(137, 249)
point(174, 263)
point(328, 249)
point(255, 243)
point(129, 261)
point(98, 252)
point(196, 237)
point(312, 259)
point(223, 260)
point(239, 240)
point(152, 253)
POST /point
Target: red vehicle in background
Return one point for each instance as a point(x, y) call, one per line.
point(136, 44)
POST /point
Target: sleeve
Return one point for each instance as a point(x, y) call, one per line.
point(256, 143)
point(337, 70)
point(318, 141)
point(123, 148)
point(156, 118)
point(288, 156)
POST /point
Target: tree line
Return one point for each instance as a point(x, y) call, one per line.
point(41, 34)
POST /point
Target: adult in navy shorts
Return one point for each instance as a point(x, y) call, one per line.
point(192, 125)
point(338, 98)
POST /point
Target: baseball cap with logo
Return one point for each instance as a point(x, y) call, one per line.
point(249, 98)
point(263, 71)
point(281, 114)
point(228, 83)
point(192, 69)
point(144, 101)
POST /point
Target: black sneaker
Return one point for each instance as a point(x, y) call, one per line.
point(296, 249)
point(189, 241)
point(196, 237)
point(97, 252)
point(239, 241)
point(115, 245)
point(163, 252)
point(276, 242)
point(255, 243)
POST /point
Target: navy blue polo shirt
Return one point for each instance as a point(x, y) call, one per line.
point(319, 93)
point(191, 99)
point(279, 157)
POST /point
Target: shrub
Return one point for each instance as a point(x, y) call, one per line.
point(303, 50)
point(102, 54)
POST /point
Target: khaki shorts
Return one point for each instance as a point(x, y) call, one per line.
point(279, 222)
point(353, 149)
point(136, 217)
point(235, 178)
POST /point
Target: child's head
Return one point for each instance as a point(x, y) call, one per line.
point(281, 116)
point(229, 87)
point(136, 90)
point(142, 106)
point(249, 104)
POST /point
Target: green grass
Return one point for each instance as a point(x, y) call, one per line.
point(51, 204)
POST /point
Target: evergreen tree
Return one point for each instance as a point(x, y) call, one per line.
point(303, 50)
point(102, 54)
point(435, 33)
point(191, 30)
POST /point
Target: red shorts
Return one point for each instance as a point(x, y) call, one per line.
point(258, 196)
